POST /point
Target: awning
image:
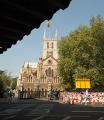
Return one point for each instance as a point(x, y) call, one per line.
point(19, 17)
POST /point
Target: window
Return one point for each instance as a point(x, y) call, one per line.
point(29, 78)
point(49, 72)
point(49, 61)
point(46, 72)
point(47, 44)
point(52, 73)
point(52, 45)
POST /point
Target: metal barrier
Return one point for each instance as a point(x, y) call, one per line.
point(78, 98)
point(31, 94)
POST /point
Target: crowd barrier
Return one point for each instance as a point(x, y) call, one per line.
point(78, 98)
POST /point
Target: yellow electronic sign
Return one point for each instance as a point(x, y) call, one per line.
point(83, 83)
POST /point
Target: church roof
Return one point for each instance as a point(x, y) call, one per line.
point(49, 57)
point(30, 64)
point(19, 17)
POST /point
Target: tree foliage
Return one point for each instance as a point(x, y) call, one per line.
point(5, 82)
point(13, 83)
point(81, 55)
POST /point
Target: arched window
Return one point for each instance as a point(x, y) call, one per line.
point(52, 73)
point(46, 72)
point(49, 72)
point(29, 78)
point(52, 45)
point(47, 44)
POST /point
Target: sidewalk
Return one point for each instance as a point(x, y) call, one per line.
point(39, 100)
point(19, 101)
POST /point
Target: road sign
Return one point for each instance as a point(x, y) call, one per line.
point(82, 83)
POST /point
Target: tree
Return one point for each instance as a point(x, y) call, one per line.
point(5, 82)
point(81, 55)
point(13, 83)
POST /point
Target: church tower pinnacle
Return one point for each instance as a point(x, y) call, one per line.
point(49, 44)
point(44, 36)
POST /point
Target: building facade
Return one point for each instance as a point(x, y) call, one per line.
point(43, 74)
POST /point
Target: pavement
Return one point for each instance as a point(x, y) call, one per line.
point(14, 101)
point(39, 100)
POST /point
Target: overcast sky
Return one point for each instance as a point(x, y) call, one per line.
point(29, 49)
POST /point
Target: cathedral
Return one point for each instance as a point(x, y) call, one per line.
point(43, 74)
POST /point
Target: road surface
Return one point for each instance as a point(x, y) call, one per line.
point(45, 110)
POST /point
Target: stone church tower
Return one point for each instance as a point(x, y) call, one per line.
point(41, 75)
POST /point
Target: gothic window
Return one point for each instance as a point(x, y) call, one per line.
point(35, 73)
point(29, 78)
point(52, 73)
point(56, 78)
point(43, 79)
point(47, 44)
point(52, 45)
point(49, 72)
point(46, 72)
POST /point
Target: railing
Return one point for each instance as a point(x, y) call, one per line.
point(32, 94)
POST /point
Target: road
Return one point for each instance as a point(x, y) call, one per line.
point(44, 110)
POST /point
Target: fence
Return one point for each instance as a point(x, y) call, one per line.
point(32, 94)
point(66, 97)
point(78, 98)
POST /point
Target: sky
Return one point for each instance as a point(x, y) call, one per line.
point(65, 21)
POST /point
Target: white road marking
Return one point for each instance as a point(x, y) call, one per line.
point(40, 110)
point(69, 117)
point(88, 111)
point(78, 116)
point(38, 118)
point(6, 113)
point(11, 110)
point(66, 118)
point(6, 118)
point(101, 118)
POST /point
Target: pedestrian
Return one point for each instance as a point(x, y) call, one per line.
point(10, 96)
point(49, 95)
point(14, 96)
